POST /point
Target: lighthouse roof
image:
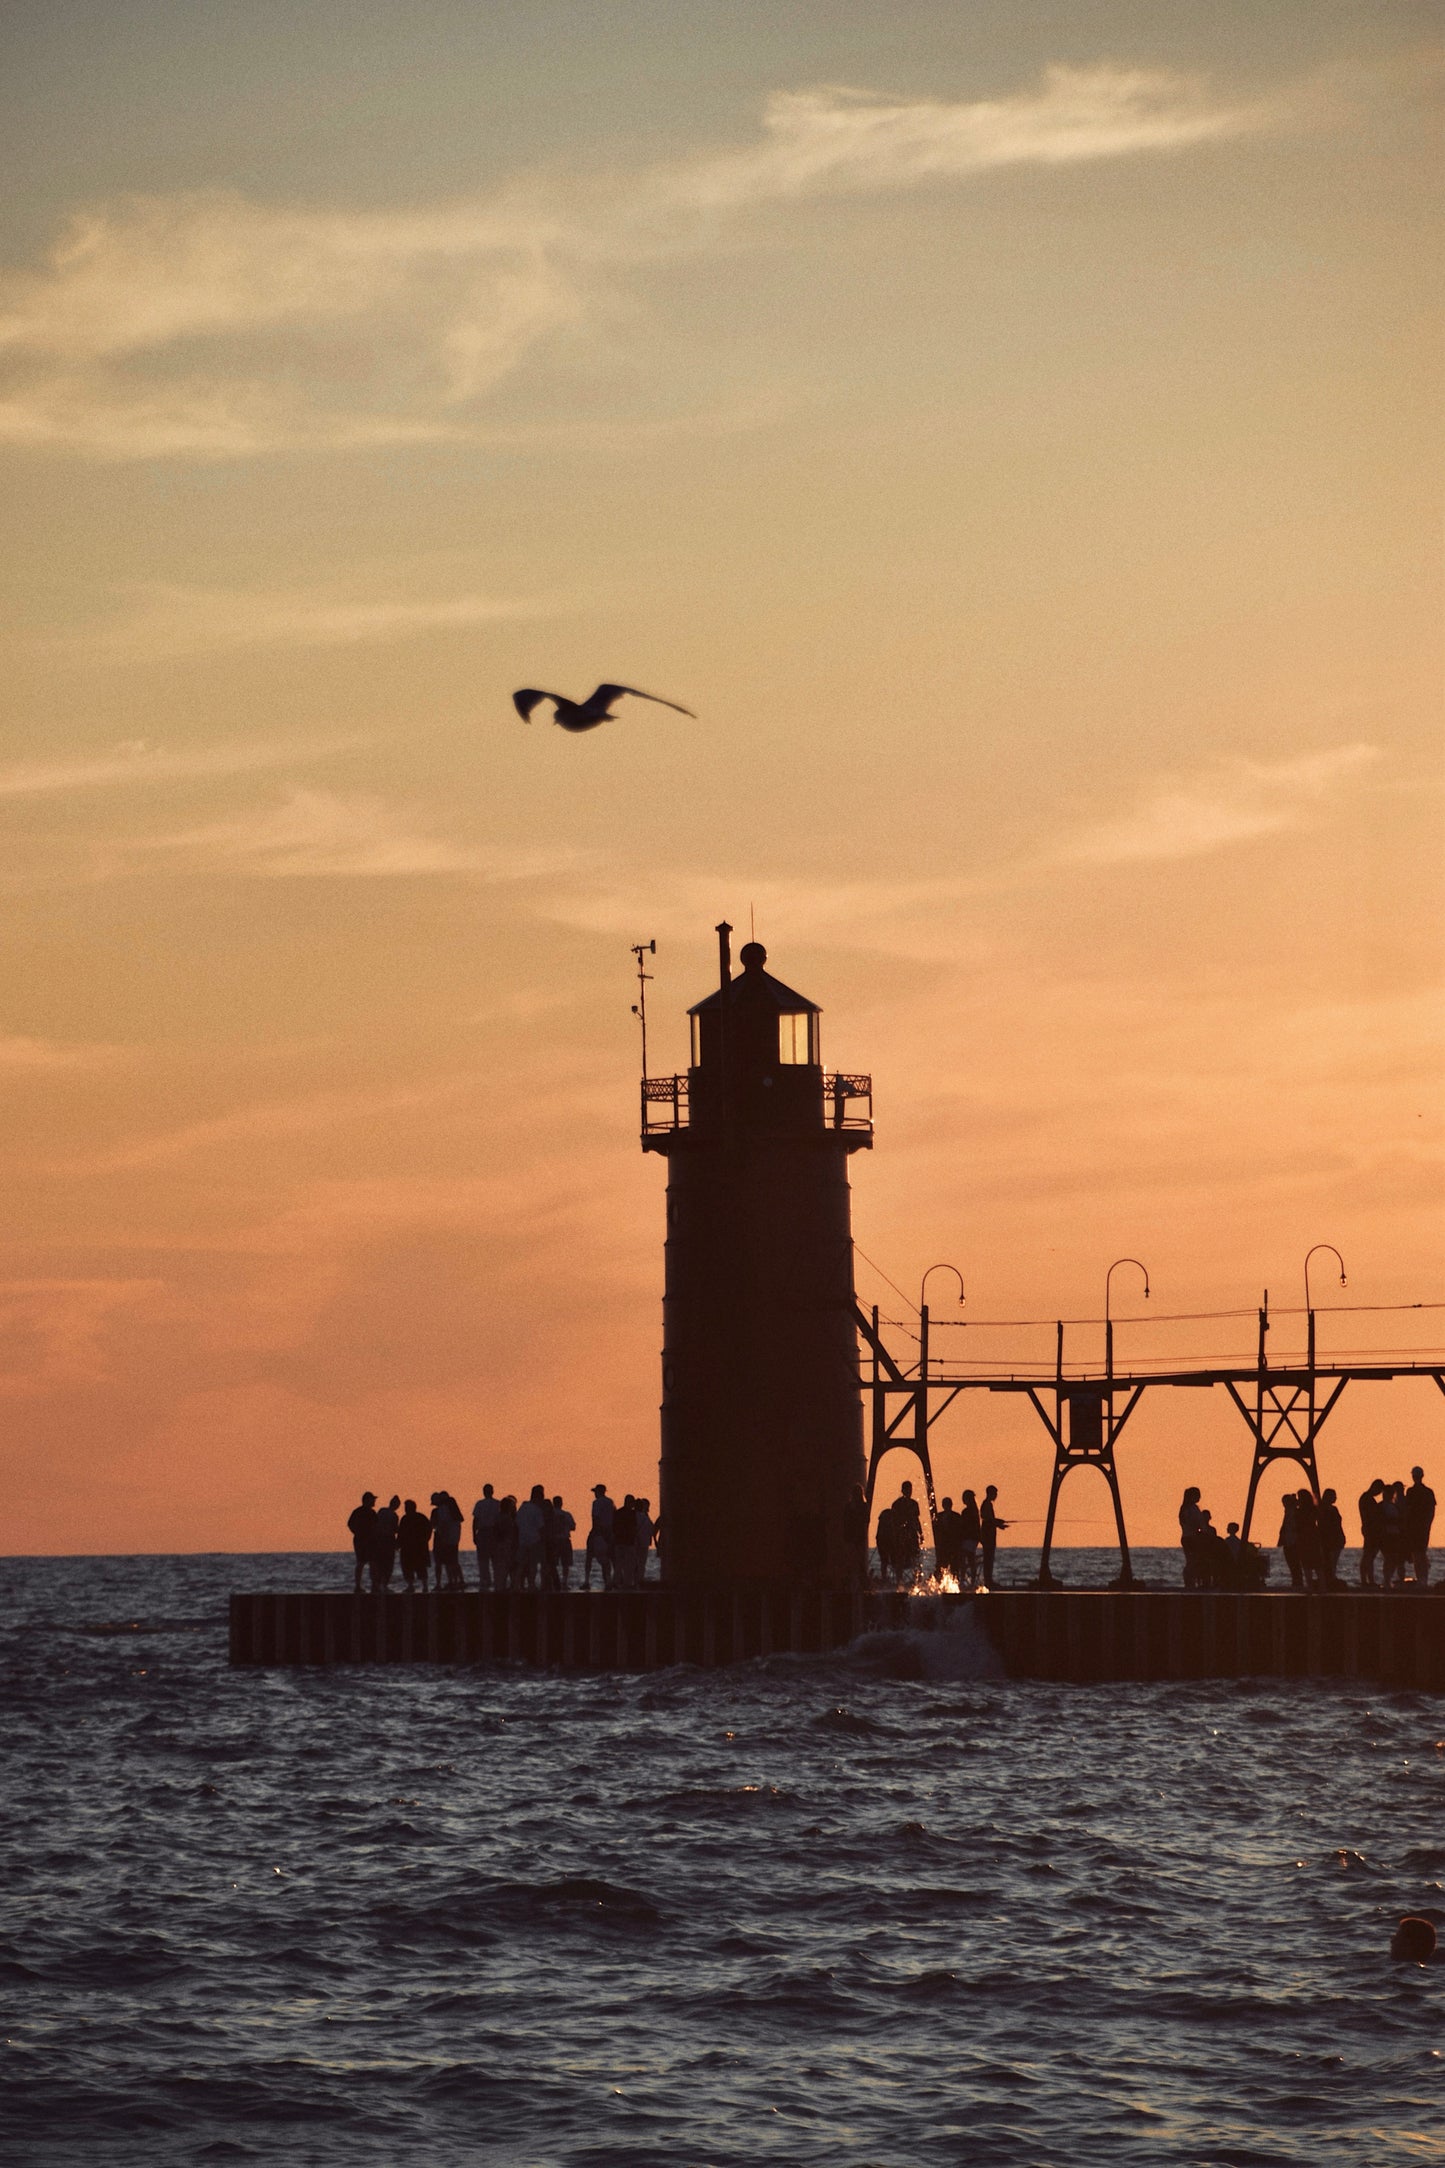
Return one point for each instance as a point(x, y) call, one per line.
point(757, 988)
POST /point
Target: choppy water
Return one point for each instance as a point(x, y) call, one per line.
point(812, 1911)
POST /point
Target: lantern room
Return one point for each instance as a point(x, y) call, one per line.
point(766, 1025)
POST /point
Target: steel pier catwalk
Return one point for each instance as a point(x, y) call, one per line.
point(1284, 1404)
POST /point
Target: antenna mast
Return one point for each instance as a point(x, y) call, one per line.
point(641, 949)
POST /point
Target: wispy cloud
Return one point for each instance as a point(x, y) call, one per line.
point(169, 325)
point(137, 760)
point(60, 1332)
point(919, 919)
point(20, 1055)
point(266, 1123)
point(1234, 802)
point(834, 141)
point(170, 620)
point(314, 834)
point(935, 917)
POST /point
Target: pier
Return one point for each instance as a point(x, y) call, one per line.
point(1084, 1409)
point(1081, 1635)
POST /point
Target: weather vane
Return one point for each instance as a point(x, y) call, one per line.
point(641, 949)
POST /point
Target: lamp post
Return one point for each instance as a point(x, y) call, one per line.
point(1108, 1319)
point(1309, 1307)
point(923, 1313)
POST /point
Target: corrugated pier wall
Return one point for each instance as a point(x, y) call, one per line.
point(1072, 1634)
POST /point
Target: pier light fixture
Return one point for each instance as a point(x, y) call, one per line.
point(923, 1284)
point(1109, 1275)
point(1309, 1306)
point(923, 1313)
point(1314, 1253)
point(1108, 1317)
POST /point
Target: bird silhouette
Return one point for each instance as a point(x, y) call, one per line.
point(586, 714)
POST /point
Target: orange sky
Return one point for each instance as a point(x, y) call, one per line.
point(1014, 433)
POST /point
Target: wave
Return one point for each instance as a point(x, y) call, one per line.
point(866, 1905)
point(954, 1646)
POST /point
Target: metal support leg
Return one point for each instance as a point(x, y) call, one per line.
point(1282, 1412)
point(887, 1378)
point(1061, 1469)
point(1093, 1429)
point(1126, 1570)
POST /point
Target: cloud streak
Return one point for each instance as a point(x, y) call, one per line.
point(1234, 803)
point(169, 620)
point(208, 325)
point(315, 834)
point(139, 761)
point(1228, 804)
point(44, 1057)
point(840, 141)
point(267, 1124)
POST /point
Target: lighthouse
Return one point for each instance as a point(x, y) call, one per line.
point(762, 1424)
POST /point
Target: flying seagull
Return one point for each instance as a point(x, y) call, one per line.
point(586, 714)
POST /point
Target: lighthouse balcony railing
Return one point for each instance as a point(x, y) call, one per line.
point(847, 1099)
point(664, 1104)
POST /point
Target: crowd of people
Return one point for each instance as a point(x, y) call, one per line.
point(526, 1545)
point(529, 1545)
point(1395, 1527)
point(1212, 1560)
point(965, 1539)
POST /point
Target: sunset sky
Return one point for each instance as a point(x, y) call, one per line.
point(1013, 428)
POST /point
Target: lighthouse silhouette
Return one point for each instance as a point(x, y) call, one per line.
point(762, 1422)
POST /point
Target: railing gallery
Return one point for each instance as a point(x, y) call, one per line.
point(848, 1096)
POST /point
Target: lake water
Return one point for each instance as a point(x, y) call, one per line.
point(864, 1909)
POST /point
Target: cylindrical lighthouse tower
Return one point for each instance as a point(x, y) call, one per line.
point(762, 1422)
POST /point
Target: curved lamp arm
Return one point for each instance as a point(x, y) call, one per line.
point(923, 1284)
point(1314, 1253)
point(1108, 1276)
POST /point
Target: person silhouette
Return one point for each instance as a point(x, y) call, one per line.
point(599, 1540)
point(907, 1528)
point(1289, 1537)
point(645, 1534)
point(970, 1536)
point(560, 1529)
point(948, 1543)
point(1190, 1520)
point(531, 1537)
point(1371, 1504)
point(486, 1525)
point(886, 1547)
point(1311, 1554)
point(990, 1525)
point(446, 1521)
point(624, 1543)
point(1419, 1520)
point(1332, 1537)
point(362, 1523)
point(507, 1543)
point(1392, 1535)
point(414, 1545)
point(383, 1545)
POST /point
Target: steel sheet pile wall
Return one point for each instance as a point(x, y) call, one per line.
point(1075, 1634)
